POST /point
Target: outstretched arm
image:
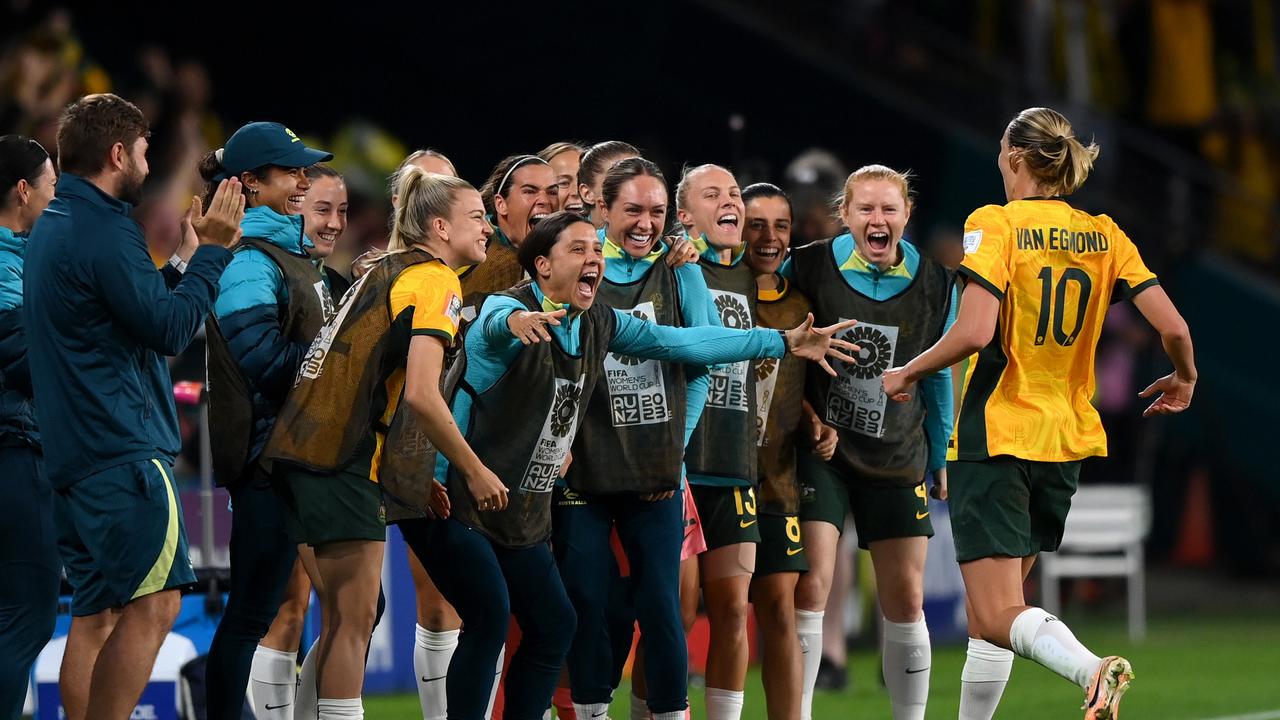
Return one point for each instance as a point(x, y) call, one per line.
point(1176, 388)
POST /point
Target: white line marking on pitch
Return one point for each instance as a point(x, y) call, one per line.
point(1265, 715)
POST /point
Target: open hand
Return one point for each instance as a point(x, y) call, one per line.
point(530, 327)
point(221, 224)
point(1175, 395)
point(815, 344)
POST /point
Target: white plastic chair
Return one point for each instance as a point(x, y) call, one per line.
point(1103, 538)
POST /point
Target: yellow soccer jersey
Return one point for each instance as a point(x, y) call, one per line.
point(432, 295)
point(1055, 269)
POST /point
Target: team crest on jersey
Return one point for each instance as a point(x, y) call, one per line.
point(556, 438)
point(972, 240)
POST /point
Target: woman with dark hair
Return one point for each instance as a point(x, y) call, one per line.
point(30, 569)
point(643, 410)
point(595, 162)
point(273, 300)
point(343, 449)
point(538, 351)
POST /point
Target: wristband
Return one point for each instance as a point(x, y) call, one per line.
point(786, 346)
point(177, 263)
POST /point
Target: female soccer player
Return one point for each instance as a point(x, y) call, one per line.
point(1040, 276)
point(643, 410)
point(342, 429)
point(721, 457)
point(272, 301)
point(520, 191)
point(779, 398)
point(595, 162)
point(273, 676)
point(903, 302)
point(30, 569)
point(491, 564)
point(564, 158)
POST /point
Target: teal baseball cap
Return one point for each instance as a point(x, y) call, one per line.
point(267, 143)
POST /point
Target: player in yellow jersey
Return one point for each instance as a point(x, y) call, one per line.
point(1040, 275)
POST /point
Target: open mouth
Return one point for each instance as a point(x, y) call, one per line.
point(295, 203)
point(328, 238)
point(588, 281)
point(575, 207)
point(536, 218)
point(728, 222)
point(768, 252)
point(639, 240)
point(878, 241)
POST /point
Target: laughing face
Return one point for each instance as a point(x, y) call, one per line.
point(714, 207)
point(531, 194)
point(325, 214)
point(767, 234)
point(281, 189)
point(565, 166)
point(637, 216)
point(572, 271)
point(466, 230)
point(876, 214)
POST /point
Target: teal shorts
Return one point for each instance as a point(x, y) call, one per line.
point(121, 536)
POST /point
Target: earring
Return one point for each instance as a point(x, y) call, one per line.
point(253, 191)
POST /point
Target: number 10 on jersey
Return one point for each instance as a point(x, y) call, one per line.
point(1054, 298)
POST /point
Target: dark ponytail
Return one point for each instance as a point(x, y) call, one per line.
point(21, 158)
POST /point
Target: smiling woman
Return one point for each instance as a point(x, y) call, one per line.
point(530, 364)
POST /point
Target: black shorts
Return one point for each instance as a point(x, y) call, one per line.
point(331, 507)
point(781, 548)
point(728, 514)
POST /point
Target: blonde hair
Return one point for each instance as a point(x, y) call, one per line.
point(1044, 140)
point(686, 176)
point(394, 181)
point(424, 196)
point(869, 173)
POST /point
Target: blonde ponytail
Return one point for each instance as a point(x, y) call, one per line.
point(1044, 139)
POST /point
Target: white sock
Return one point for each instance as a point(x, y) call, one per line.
point(639, 708)
point(304, 703)
point(432, 652)
point(497, 678)
point(344, 709)
point(809, 630)
point(724, 704)
point(273, 680)
point(986, 672)
point(1037, 635)
point(673, 715)
point(906, 661)
point(588, 712)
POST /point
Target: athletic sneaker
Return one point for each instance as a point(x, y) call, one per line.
point(1102, 699)
point(831, 676)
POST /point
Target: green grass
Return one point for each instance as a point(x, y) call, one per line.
point(1188, 668)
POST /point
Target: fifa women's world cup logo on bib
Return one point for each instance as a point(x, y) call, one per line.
point(729, 382)
point(637, 395)
point(313, 361)
point(856, 400)
point(766, 380)
point(558, 431)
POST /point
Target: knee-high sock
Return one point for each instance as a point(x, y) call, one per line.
point(304, 703)
point(906, 661)
point(432, 652)
point(986, 672)
point(273, 680)
point(1037, 635)
point(639, 709)
point(809, 630)
point(343, 709)
point(724, 704)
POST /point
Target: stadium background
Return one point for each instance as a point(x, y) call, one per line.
point(1183, 96)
